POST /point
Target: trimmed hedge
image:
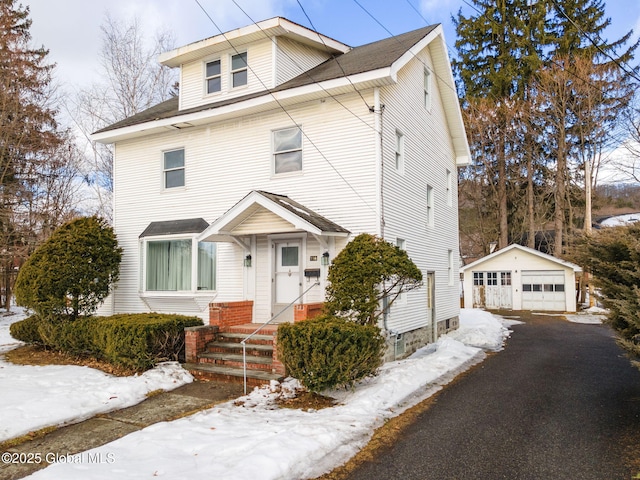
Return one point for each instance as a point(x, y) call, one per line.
point(137, 341)
point(329, 352)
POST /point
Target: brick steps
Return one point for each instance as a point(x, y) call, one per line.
point(222, 356)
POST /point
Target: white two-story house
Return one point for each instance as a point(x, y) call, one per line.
point(283, 145)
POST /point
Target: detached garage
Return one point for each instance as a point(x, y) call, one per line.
point(520, 278)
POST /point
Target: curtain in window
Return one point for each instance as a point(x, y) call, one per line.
point(206, 266)
point(169, 265)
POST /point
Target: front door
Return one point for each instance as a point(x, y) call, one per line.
point(287, 280)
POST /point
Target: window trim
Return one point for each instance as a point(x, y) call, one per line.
point(399, 152)
point(207, 78)
point(194, 278)
point(449, 188)
point(427, 89)
point(274, 153)
point(430, 207)
point(165, 170)
point(232, 71)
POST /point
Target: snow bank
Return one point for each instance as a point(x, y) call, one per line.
point(254, 439)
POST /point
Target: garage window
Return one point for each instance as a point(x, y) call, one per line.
point(505, 278)
point(492, 278)
point(478, 278)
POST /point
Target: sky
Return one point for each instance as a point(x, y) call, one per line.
point(70, 29)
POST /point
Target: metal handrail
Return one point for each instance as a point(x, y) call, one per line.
point(244, 342)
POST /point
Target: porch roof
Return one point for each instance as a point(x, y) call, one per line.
point(172, 227)
point(264, 213)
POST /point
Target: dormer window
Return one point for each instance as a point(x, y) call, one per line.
point(213, 76)
point(239, 70)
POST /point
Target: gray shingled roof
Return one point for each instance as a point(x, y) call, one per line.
point(172, 227)
point(318, 221)
point(366, 58)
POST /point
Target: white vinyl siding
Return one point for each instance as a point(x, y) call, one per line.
point(212, 190)
point(193, 91)
point(294, 59)
point(427, 144)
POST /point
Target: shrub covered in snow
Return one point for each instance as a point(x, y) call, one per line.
point(137, 341)
point(71, 273)
point(329, 352)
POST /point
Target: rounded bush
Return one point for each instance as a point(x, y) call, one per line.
point(71, 273)
point(329, 352)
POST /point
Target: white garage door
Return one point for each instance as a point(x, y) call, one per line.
point(543, 290)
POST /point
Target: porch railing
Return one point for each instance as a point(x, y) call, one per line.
point(248, 337)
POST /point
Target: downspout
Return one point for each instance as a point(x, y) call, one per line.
point(378, 109)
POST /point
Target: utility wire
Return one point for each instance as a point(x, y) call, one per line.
point(333, 56)
point(595, 44)
point(282, 107)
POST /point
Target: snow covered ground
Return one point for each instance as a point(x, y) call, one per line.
point(252, 438)
point(37, 397)
point(620, 220)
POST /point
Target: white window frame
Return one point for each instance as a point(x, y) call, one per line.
point(275, 152)
point(430, 206)
point(449, 188)
point(427, 89)
point(166, 170)
point(399, 152)
point(194, 278)
point(450, 266)
point(207, 77)
point(233, 71)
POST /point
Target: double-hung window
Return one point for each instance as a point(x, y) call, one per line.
point(239, 70)
point(213, 76)
point(427, 89)
point(287, 150)
point(173, 168)
point(430, 206)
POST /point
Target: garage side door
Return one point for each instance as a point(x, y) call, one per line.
point(543, 290)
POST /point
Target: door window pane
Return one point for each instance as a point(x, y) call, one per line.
point(289, 256)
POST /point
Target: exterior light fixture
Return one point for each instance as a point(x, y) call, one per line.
point(325, 259)
point(247, 261)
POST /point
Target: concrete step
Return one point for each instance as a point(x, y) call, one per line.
point(237, 348)
point(232, 357)
point(238, 337)
point(228, 374)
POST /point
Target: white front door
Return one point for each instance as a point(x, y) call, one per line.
point(287, 281)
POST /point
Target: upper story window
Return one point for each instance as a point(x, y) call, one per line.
point(430, 206)
point(239, 70)
point(427, 89)
point(399, 152)
point(173, 168)
point(287, 150)
point(213, 76)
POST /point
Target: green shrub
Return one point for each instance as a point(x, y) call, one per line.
point(367, 274)
point(329, 352)
point(27, 330)
point(72, 272)
point(142, 340)
point(137, 341)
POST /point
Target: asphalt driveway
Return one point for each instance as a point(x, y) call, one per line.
point(560, 402)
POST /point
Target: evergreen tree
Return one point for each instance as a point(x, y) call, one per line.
point(28, 132)
point(72, 272)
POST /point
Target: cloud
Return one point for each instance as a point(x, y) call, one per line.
point(72, 33)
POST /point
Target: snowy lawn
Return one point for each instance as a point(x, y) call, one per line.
point(252, 438)
point(36, 397)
